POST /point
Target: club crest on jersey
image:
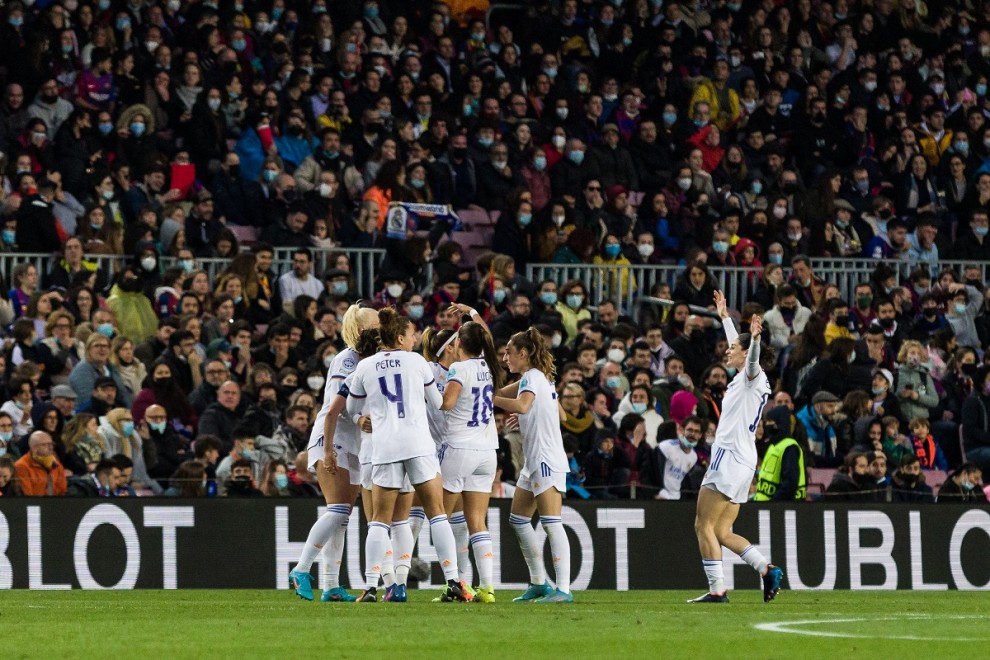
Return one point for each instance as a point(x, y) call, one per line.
point(523, 383)
point(349, 363)
point(450, 374)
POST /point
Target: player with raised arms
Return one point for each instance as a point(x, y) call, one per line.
point(340, 480)
point(733, 463)
point(395, 387)
point(542, 481)
point(468, 457)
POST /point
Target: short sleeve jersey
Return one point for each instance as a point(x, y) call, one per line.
point(470, 423)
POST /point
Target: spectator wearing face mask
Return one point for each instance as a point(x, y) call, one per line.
point(963, 304)
point(782, 474)
point(120, 436)
point(908, 483)
point(963, 485)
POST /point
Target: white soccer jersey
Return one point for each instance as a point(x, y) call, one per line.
point(470, 423)
point(676, 467)
point(540, 427)
point(346, 434)
point(438, 418)
point(393, 387)
point(742, 408)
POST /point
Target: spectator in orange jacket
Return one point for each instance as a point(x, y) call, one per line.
point(38, 471)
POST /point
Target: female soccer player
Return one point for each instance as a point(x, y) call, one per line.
point(468, 457)
point(733, 463)
point(340, 481)
point(543, 478)
point(395, 387)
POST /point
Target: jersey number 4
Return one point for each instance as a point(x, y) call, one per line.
point(482, 405)
point(394, 397)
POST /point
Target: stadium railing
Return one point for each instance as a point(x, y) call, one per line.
point(364, 263)
point(628, 284)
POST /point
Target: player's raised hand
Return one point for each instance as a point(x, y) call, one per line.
point(755, 327)
point(720, 306)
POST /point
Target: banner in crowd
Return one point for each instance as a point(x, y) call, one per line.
point(403, 217)
point(171, 544)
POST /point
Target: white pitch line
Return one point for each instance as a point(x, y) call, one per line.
point(788, 627)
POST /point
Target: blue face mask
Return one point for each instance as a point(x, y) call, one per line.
point(613, 382)
point(756, 187)
point(269, 175)
point(187, 265)
point(277, 13)
point(137, 129)
point(498, 296)
point(639, 408)
point(371, 12)
point(6, 436)
point(981, 231)
point(105, 329)
point(687, 444)
point(340, 288)
point(525, 219)
point(960, 308)
point(415, 312)
point(16, 21)
point(721, 247)
point(105, 128)
point(776, 258)
point(281, 481)
point(123, 23)
point(249, 454)
point(157, 427)
point(981, 89)
point(127, 428)
point(9, 236)
point(576, 157)
point(238, 45)
point(238, 299)
point(574, 301)
point(612, 250)
point(877, 391)
point(548, 298)
point(417, 183)
point(540, 163)
point(670, 118)
point(962, 148)
point(485, 141)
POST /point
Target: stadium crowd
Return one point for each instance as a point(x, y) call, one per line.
point(755, 134)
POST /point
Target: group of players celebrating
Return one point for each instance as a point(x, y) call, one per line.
point(415, 436)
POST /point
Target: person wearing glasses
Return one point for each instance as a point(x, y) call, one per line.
point(95, 365)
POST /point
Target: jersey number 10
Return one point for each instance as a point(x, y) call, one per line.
point(482, 405)
point(394, 397)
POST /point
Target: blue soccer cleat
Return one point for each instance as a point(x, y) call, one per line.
point(771, 582)
point(302, 583)
point(556, 596)
point(710, 598)
point(398, 594)
point(337, 595)
point(533, 592)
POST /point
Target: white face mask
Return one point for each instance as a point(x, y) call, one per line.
point(779, 212)
point(559, 220)
point(684, 183)
point(558, 141)
point(315, 382)
point(645, 249)
point(562, 113)
point(556, 341)
point(616, 355)
point(394, 290)
point(326, 190)
point(148, 263)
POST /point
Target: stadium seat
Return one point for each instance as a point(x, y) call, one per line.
point(245, 235)
point(473, 218)
point(821, 477)
point(935, 478)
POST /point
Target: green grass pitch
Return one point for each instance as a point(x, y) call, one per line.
point(637, 624)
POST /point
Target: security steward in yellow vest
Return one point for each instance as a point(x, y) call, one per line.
point(782, 475)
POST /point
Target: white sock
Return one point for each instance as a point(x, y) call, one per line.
point(443, 541)
point(402, 542)
point(319, 534)
point(560, 551)
point(334, 549)
point(530, 549)
point(458, 525)
point(481, 542)
point(716, 578)
point(417, 518)
point(388, 566)
point(374, 553)
point(755, 558)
